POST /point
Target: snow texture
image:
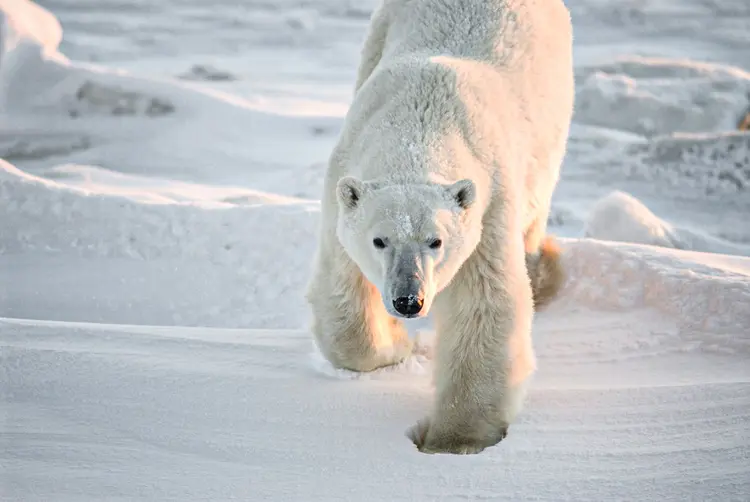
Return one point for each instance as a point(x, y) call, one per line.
point(157, 229)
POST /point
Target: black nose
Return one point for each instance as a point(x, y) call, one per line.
point(408, 305)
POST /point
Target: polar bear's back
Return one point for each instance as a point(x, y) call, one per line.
point(515, 59)
point(451, 89)
point(498, 32)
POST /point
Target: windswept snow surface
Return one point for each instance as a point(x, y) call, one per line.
point(159, 175)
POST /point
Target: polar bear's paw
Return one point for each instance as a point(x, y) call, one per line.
point(383, 358)
point(458, 442)
point(394, 355)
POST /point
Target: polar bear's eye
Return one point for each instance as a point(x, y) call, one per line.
point(436, 244)
point(378, 243)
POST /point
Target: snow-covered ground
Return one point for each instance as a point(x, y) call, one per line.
point(158, 212)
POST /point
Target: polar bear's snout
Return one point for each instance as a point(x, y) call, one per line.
point(407, 283)
point(407, 296)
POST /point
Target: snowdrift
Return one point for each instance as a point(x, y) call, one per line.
point(156, 238)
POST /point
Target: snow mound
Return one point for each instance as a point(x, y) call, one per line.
point(657, 96)
point(52, 108)
point(230, 258)
point(42, 214)
point(699, 291)
point(95, 180)
point(35, 77)
point(710, 162)
point(29, 36)
point(621, 217)
point(664, 69)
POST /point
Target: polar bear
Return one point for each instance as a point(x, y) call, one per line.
point(436, 195)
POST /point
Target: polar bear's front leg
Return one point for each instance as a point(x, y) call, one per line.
point(351, 326)
point(484, 351)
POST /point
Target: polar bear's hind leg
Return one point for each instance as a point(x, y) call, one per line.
point(546, 272)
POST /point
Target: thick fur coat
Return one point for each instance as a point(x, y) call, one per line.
point(436, 199)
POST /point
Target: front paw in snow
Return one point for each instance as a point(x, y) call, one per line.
point(456, 439)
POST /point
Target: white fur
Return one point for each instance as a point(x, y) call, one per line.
point(451, 95)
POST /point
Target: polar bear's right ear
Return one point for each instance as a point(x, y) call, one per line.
point(464, 192)
point(348, 191)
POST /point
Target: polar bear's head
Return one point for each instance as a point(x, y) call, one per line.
point(408, 240)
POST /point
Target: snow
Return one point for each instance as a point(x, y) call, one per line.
point(160, 169)
point(621, 217)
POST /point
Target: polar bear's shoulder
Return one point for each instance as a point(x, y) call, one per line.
point(487, 30)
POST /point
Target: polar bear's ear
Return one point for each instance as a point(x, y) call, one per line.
point(463, 192)
point(348, 191)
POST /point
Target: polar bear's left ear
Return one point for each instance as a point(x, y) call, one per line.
point(348, 192)
point(464, 192)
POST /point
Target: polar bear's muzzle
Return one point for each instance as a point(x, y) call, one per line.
point(407, 294)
